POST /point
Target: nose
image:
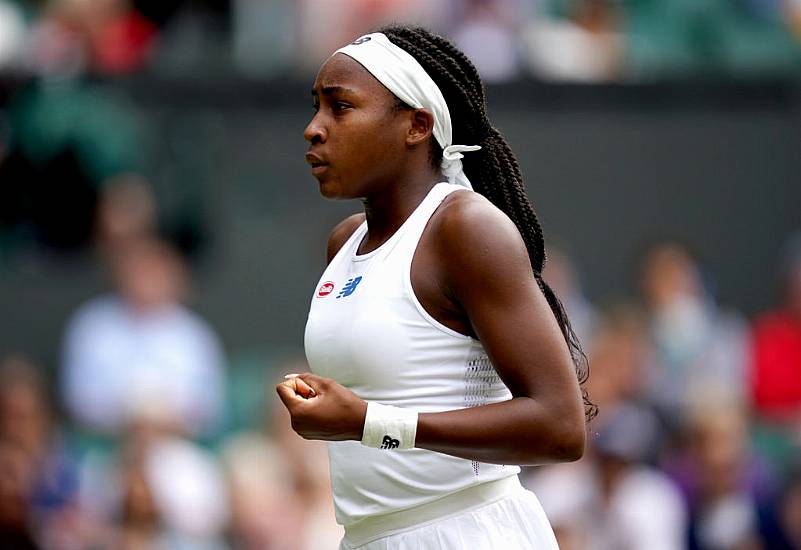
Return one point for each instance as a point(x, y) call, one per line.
point(315, 131)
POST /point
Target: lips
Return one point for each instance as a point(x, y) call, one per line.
point(318, 164)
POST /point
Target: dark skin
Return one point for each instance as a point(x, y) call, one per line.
point(362, 146)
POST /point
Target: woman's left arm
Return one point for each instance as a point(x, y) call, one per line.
point(487, 273)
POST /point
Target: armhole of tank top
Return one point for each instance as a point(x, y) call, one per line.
point(407, 283)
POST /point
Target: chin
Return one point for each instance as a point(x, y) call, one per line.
point(330, 190)
point(333, 189)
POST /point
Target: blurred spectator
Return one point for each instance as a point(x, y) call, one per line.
point(130, 510)
point(126, 212)
point(710, 38)
point(266, 512)
point(618, 358)
point(776, 367)
point(70, 143)
point(700, 351)
point(793, 8)
point(13, 30)
point(727, 486)
point(139, 519)
point(578, 41)
point(263, 36)
point(188, 490)
point(16, 526)
point(155, 490)
point(326, 25)
point(280, 484)
point(563, 277)
point(140, 352)
point(789, 535)
point(487, 33)
point(39, 479)
point(610, 500)
point(101, 36)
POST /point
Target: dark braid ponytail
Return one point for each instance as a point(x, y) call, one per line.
point(493, 171)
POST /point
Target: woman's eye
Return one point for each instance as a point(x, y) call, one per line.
point(340, 106)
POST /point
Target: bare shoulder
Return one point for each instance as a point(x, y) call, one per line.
point(467, 227)
point(342, 232)
point(482, 264)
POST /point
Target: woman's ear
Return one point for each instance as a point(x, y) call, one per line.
point(421, 128)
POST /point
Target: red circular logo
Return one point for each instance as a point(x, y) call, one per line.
point(325, 289)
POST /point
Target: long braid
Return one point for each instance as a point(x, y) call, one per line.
point(494, 170)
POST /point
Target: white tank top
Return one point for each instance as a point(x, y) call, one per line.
point(367, 330)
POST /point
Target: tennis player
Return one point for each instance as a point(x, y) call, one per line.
point(441, 360)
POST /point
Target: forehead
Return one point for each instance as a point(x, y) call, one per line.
point(342, 71)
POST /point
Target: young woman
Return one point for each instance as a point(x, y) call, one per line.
point(441, 359)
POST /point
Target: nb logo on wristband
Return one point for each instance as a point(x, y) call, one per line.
point(389, 443)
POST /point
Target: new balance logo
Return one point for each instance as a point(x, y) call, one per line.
point(389, 443)
point(349, 287)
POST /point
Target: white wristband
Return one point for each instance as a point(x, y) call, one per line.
point(387, 427)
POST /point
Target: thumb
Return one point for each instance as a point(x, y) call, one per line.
point(314, 381)
point(303, 389)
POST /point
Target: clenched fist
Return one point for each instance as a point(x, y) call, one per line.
point(322, 409)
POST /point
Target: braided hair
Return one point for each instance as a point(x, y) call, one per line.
point(493, 171)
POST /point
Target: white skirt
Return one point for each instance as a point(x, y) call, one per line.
point(515, 521)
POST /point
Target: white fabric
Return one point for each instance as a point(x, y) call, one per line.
point(387, 427)
point(376, 339)
point(118, 362)
point(514, 522)
point(475, 496)
point(402, 75)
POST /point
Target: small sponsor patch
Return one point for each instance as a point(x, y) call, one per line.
point(325, 289)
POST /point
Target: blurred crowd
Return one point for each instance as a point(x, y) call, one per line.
point(73, 142)
point(147, 437)
point(697, 443)
point(146, 434)
point(563, 40)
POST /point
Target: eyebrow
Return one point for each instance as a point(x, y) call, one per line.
point(330, 90)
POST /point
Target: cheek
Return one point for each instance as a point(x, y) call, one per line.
point(379, 149)
point(365, 146)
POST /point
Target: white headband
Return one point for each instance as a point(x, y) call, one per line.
point(402, 75)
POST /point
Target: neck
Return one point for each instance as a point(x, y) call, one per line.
point(387, 210)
